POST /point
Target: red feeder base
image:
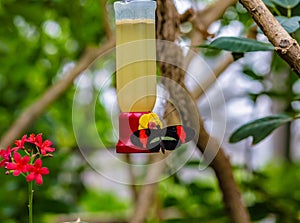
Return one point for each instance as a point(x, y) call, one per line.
point(128, 124)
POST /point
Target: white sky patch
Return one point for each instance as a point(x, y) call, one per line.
point(65, 70)
point(248, 85)
point(214, 27)
point(295, 140)
point(296, 87)
point(109, 99)
point(85, 96)
point(259, 61)
point(296, 105)
point(235, 28)
point(239, 107)
point(102, 79)
point(263, 106)
point(182, 5)
point(84, 81)
point(52, 28)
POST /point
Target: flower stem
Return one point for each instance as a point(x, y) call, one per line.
point(30, 195)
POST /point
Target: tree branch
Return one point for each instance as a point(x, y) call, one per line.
point(53, 93)
point(221, 165)
point(286, 47)
point(108, 31)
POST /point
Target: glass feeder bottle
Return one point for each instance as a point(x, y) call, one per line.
point(135, 55)
point(136, 65)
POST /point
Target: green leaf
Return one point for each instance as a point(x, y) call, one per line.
point(289, 24)
point(269, 3)
point(239, 45)
point(260, 128)
point(286, 3)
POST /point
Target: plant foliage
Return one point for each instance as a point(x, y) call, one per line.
point(289, 24)
point(260, 128)
point(286, 3)
point(238, 45)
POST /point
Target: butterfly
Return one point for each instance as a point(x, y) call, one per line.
point(168, 138)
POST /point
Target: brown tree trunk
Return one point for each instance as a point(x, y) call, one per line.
point(286, 47)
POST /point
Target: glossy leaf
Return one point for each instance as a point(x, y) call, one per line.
point(289, 24)
point(259, 129)
point(269, 3)
point(239, 45)
point(286, 3)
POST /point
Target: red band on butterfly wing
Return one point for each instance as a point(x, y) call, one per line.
point(181, 133)
point(143, 138)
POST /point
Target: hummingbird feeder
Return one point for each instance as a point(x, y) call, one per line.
point(136, 67)
point(140, 130)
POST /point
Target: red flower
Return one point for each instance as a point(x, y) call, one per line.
point(44, 146)
point(20, 143)
point(31, 138)
point(6, 155)
point(36, 171)
point(19, 165)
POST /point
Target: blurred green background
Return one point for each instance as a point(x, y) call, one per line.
point(40, 40)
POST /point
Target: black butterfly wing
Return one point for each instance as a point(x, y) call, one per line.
point(189, 133)
point(170, 144)
point(175, 136)
point(180, 132)
point(147, 139)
